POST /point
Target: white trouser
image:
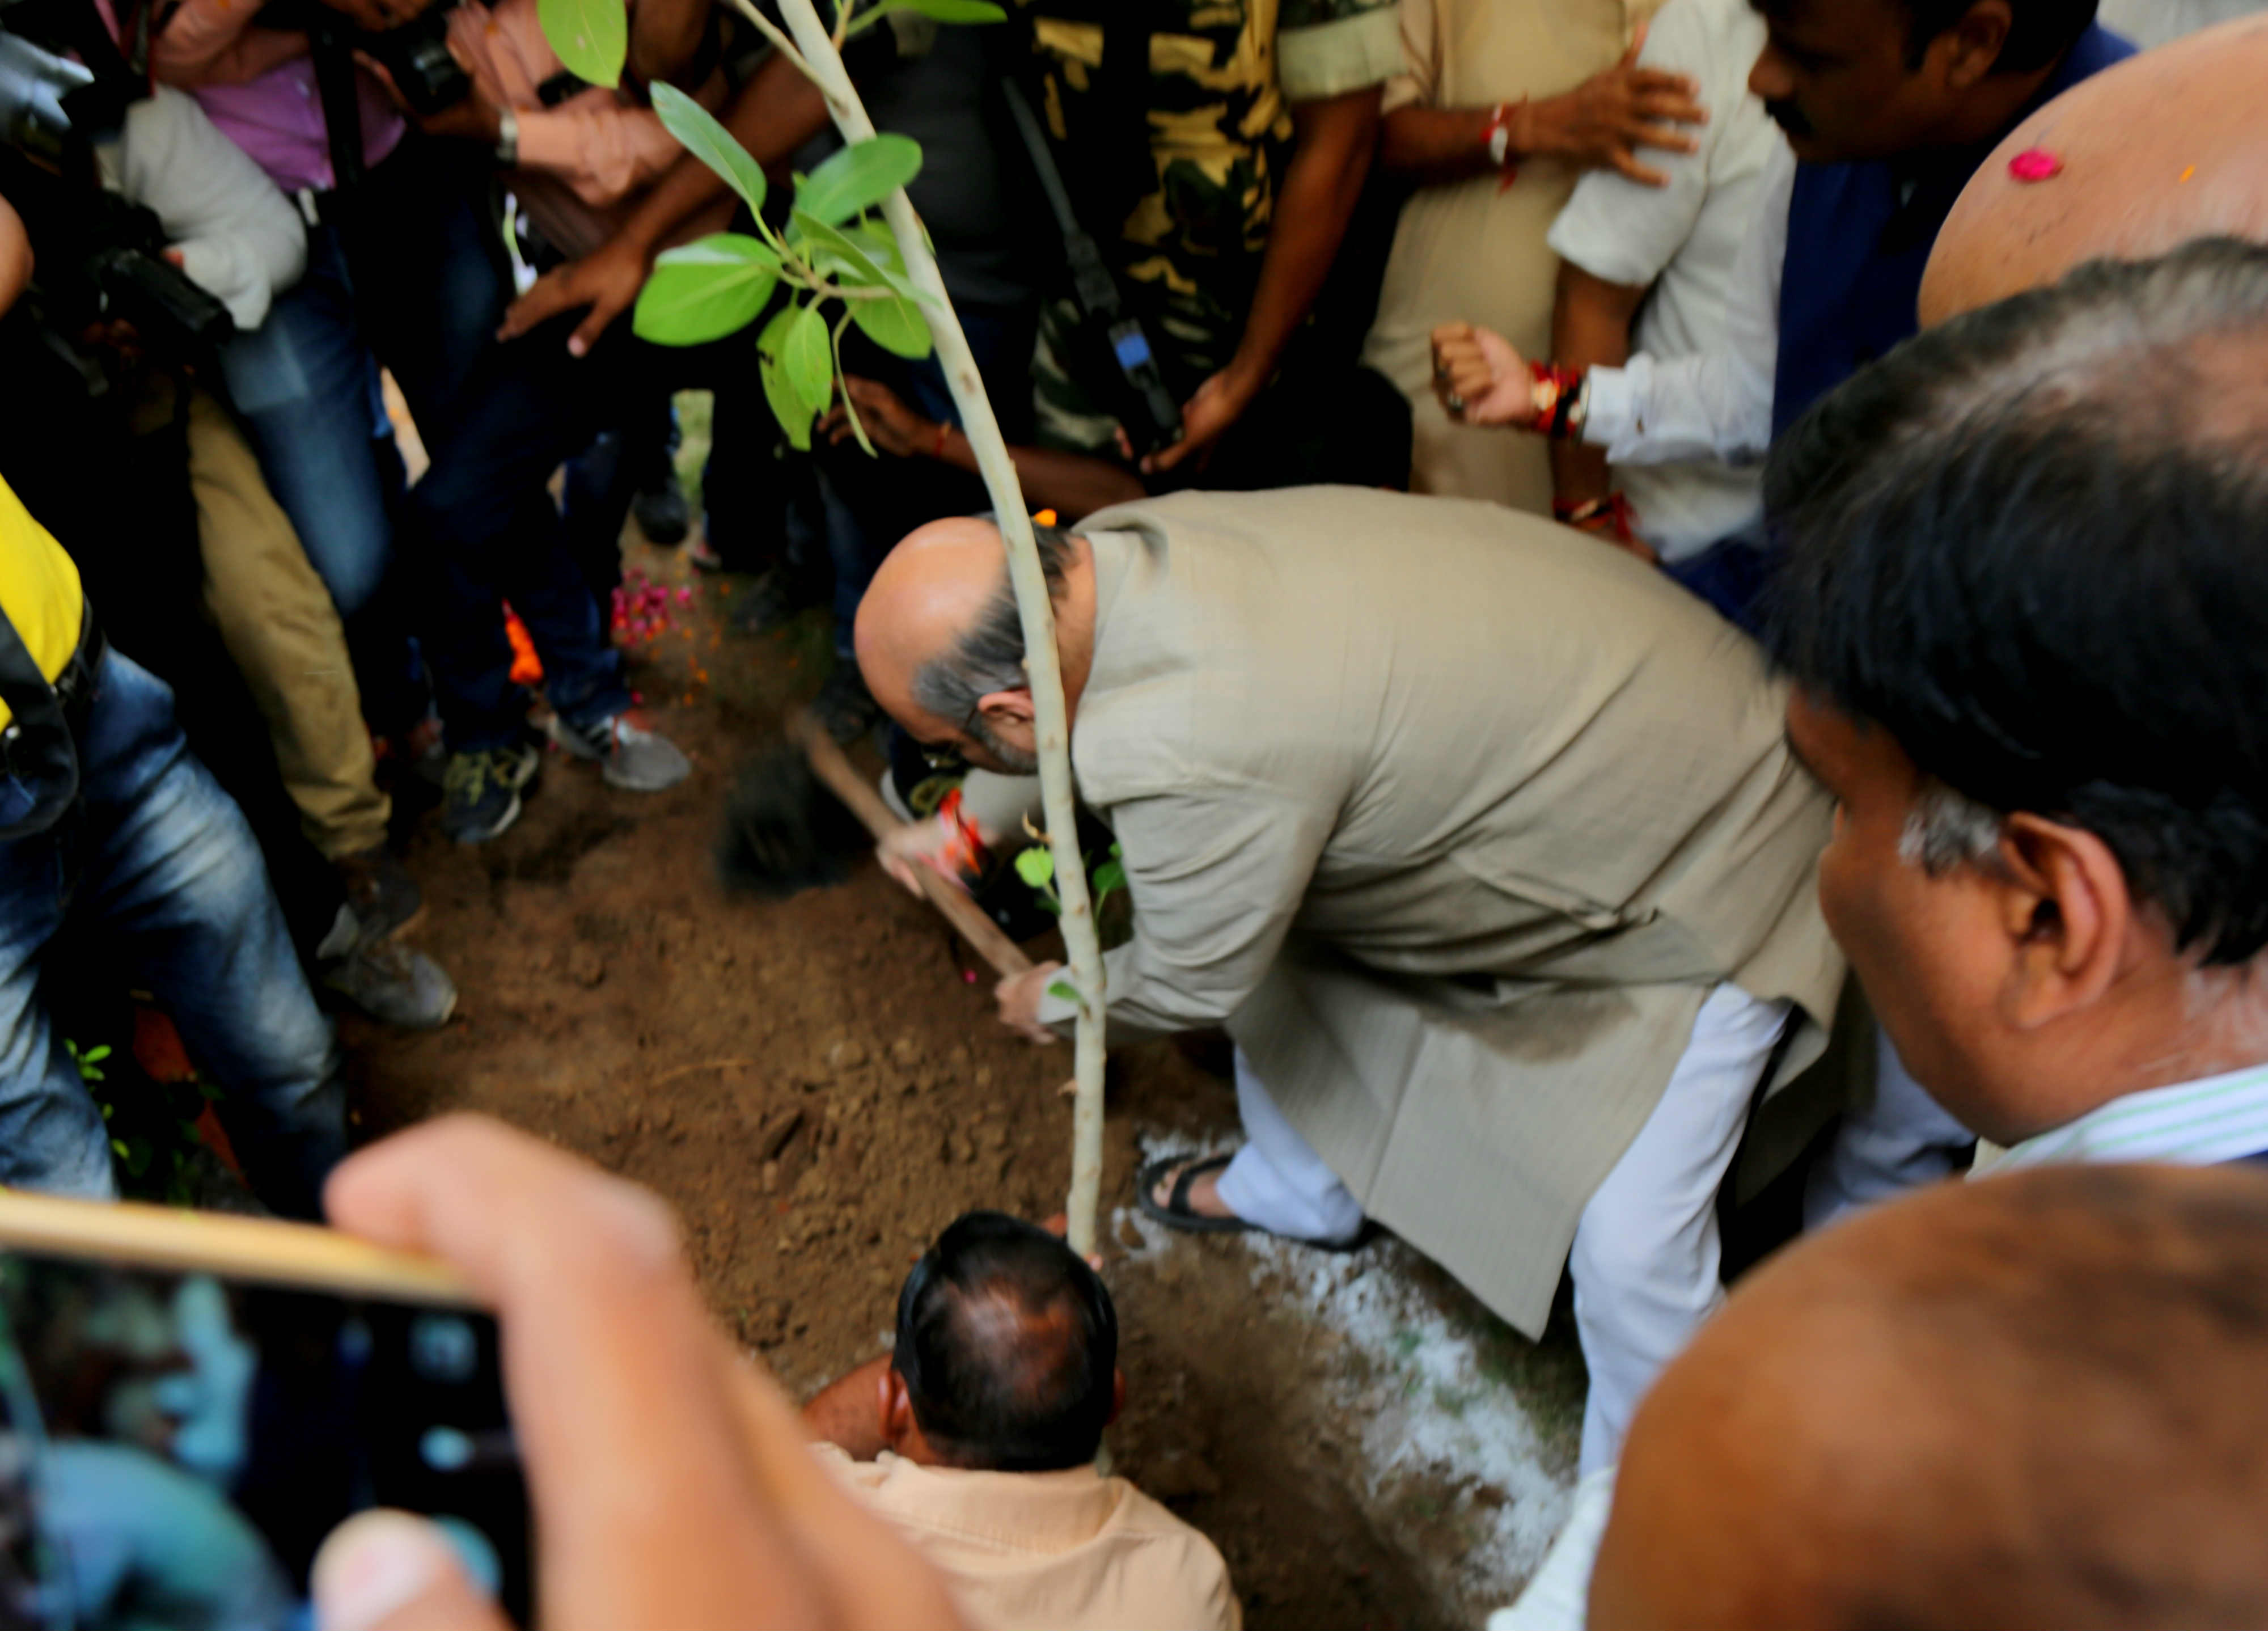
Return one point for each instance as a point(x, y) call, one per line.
point(1645, 1254)
point(1277, 1181)
point(1904, 1140)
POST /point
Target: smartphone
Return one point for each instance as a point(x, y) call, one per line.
point(190, 1403)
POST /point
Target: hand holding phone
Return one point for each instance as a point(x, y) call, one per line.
point(671, 1485)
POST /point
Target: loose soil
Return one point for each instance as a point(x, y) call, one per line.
point(819, 1085)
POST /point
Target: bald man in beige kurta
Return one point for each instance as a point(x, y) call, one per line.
point(1485, 844)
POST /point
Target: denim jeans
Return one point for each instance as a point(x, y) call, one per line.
point(421, 297)
point(156, 851)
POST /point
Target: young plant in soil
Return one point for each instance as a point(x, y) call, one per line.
point(831, 255)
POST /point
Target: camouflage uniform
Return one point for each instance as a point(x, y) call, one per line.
point(1221, 76)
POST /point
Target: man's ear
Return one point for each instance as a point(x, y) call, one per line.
point(1009, 707)
point(896, 1407)
point(1964, 54)
point(2065, 907)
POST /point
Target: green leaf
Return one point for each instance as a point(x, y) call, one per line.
point(706, 289)
point(807, 357)
point(940, 11)
point(590, 36)
point(894, 324)
point(1108, 877)
point(833, 253)
point(1064, 989)
point(788, 407)
point(859, 177)
point(1036, 866)
point(710, 143)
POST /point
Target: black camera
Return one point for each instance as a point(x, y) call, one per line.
point(99, 258)
point(417, 56)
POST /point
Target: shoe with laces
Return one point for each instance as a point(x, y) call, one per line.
point(379, 888)
point(384, 978)
point(480, 797)
point(628, 754)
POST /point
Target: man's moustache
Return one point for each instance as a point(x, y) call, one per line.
point(1788, 117)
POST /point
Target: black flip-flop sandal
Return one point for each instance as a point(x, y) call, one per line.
point(1177, 1212)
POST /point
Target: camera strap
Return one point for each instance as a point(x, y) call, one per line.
point(1094, 286)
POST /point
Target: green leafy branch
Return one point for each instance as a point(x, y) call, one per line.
point(832, 250)
point(718, 286)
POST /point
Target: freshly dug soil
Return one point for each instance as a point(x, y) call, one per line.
point(819, 1085)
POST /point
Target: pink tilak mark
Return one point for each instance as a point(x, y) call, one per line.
point(2035, 164)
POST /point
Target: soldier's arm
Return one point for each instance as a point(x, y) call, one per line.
point(1333, 141)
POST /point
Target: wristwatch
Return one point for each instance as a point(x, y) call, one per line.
point(507, 145)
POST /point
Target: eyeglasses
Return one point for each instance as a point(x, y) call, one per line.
point(949, 757)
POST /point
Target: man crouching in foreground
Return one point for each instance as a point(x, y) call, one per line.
point(977, 1437)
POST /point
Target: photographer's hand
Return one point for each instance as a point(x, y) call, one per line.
point(673, 1489)
point(472, 117)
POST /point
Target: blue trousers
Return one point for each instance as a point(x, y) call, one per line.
point(420, 295)
point(164, 862)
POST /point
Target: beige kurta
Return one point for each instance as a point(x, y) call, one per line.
point(1454, 818)
point(1069, 1551)
point(1470, 251)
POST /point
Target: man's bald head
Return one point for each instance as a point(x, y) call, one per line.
point(2160, 149)
point(2032, 1403)
point(940, 638)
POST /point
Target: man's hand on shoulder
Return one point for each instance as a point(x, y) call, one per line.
point(1603, 122)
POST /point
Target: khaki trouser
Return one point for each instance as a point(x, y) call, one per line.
point(281, 630)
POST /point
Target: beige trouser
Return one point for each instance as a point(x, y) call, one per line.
point(283, 634)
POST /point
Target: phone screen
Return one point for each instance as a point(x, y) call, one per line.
point(174, 1447)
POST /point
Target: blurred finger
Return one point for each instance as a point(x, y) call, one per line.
point(617, 1380)
point(1645, 175)
point(1637, 45)
point(388, 1571)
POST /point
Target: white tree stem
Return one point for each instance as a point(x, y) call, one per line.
point(824, 64)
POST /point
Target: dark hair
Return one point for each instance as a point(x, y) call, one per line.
point(2032, 544)
point(2039, 31)
point(990, 657)
point(1008, 1346)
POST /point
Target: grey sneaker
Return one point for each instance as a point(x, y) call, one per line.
point(628, 754)
point(482, 795)
point(384, 978)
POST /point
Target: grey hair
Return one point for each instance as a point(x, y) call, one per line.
point(989, 656)
point(1946, 829)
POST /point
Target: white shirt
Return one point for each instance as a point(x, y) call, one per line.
point(241, 239)
point(1558, 1594)
point(1718, 403)
point(1684, 239)
point(2199, 1123)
